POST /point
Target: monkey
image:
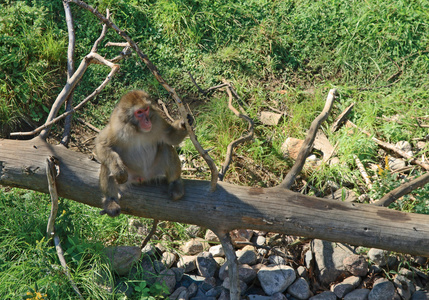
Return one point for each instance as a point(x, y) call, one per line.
point(137, 146)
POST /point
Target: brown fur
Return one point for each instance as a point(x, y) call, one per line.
point(128, 154)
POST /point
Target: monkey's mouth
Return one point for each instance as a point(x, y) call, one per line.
point(145, 124)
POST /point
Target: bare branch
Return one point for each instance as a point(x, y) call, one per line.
point(155, 72)
point(109, 44)
point(363, 172)
point(308, 142)
point(70, 70)
point(90, 126)
point(402, 190)
point(67, 89)
point(242, 139)
point(391, 147)
point(150, 234)
point(102, 35)
point(341, 118)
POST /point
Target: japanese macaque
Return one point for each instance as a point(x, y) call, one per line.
point(136, 146)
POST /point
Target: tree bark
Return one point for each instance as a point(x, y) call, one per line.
point(22, 164)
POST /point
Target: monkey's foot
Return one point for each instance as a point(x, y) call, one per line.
point(111, 207)
point(176, 190)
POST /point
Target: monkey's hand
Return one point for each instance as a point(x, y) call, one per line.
point(119, 172)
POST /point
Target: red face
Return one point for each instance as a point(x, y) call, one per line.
point(142, 116)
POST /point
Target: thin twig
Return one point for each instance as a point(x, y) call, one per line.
point(51, 174)
point(150, 234)
point(164, 107)
point(66, 90)
point(363, 172)
point(391, 147)
point(402, 190)
point(156, 73)
point(308, 142)
point(240, 140)
point(90, 126)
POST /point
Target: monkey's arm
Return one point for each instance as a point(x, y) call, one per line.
point(175, 133)
point(110, 158)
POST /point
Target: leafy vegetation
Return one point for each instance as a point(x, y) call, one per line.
point(284, 55)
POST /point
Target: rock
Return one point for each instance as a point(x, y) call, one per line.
point(159, 266)
point(206, 265)
point(378, 256)
point(299, 289)
point(346, 286)
point(356, 265)
point(404, 286)
point(224, 295)
point(325, 296)
point(259, 240)
point(168, 259)
point(404, 146)
point(405, 272)
point(329, 260)
point(124, 288)
point(278, 296)
point(247, 255)
point(396, 163)
point(214, 292)
point(219, 260)
point(302, 272)
point(192, 247)
point(167, 277)
point(291, 147)
point(208, 284)
point(343, 194)
point(193, 231)
point(192, 290)
point(382, 290)
point(270, 118)
point(420, 295)
point(179, 273)
point(122, 258)
point(187, 262)
point(246, 273)
point(243, 285)
point(276, 260)
point(308, 259)
point(359, 294)
point(217, 251)
point(241, 237)
point(178, 293)
point(150, 250)
point(276, 279)
point(259, 297)
point(210, 236)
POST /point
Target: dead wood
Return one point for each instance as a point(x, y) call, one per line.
point(341, 118)
point(22, 164)
point(308, 142)
point(403, 190)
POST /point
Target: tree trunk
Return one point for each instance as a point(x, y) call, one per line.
point(22, 164)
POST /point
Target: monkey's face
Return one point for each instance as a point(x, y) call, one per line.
point(142, 116)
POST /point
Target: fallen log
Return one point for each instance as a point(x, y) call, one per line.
point(22, 164)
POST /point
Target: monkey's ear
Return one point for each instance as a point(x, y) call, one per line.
point(190, 119)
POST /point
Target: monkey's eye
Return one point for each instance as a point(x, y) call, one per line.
point(142, 111)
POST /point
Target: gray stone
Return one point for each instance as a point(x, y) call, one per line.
point(179, 273)
point(124, 288)
point(211, 237)
point(214, 292)
point(329, 260)
point(382, 290)
point(192, 247)
point(247, 255)
point(187, 262)
point(150, 250)
point(149, 272)
point(270, 118)
point(206, 265)
point(302, 272)
point(224, 295)
point(404, 286)
point(276, 279)
point(243, 286)
point(259, 297)
point(217, 251)
point(192, 290)
point(359, 294)
point(407, 273)
point(167, 277)
point(159, 266)
point(122, 258)
point(308, 259)
point(168, 259)
point(193, 231)
point(325, 296)
point(396, 163)
point(178, 293)
point(276, 260)
point(279, 296)
point(299, 289)
point(346, 286)
point(356, 265)
point(420, 295)
point(291, 147)
point(378, 256)
point(241, 237)
point(245, 272)
point(260, 240)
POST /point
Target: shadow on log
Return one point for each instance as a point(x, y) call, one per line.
point(22, 164)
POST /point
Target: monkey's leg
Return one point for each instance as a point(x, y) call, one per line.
point(109, 187)
point(170, 162)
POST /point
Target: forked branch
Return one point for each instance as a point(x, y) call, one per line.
point(308, 142)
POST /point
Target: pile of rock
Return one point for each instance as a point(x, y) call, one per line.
point(320, 270)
